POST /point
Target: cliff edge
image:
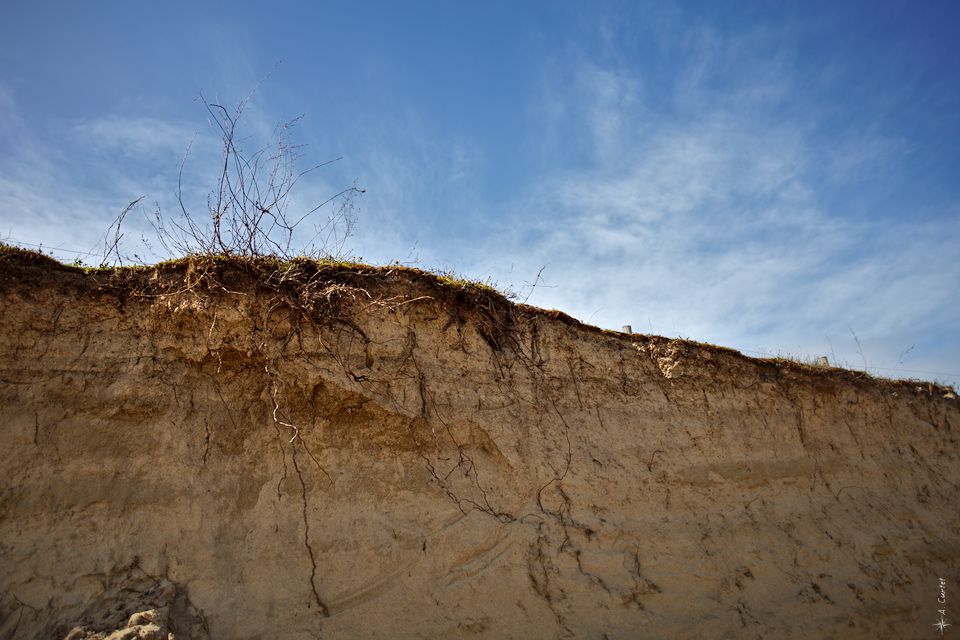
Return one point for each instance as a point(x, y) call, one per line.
point(217, 448)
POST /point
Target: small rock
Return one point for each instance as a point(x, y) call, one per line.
point(143, 617)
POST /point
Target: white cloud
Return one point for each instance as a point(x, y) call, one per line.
point(134, 136)
point(707, 223)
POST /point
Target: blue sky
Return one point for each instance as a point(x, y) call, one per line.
point(774, 177)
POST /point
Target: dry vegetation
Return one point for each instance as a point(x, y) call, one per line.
point(318, 289)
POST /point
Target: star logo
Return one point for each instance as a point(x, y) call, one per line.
point(941, 624)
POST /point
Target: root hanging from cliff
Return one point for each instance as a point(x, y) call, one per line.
point(541, 572)
point(324, 609)
point(465, 462)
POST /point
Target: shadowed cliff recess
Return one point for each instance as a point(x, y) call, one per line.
point(227, 447)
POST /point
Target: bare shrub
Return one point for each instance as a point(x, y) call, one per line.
point(248, 210)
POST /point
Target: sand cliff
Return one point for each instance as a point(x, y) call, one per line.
point(221, 450)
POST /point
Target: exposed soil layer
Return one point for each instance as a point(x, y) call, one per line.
point(217, 448)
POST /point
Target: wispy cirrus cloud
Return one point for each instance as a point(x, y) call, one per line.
point(134, 136)
point(65, 189)
point(708, 221)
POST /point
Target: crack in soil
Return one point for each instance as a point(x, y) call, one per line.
point(324, 610)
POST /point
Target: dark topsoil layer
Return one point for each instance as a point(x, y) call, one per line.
point(302, 280)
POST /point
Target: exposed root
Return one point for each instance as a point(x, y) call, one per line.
point(206, 441)
point(316, 462)
point(465, 463)
point(276, 407)
point(324, 610)
point(557, 477)
point(540, 570)
point(642, 586)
